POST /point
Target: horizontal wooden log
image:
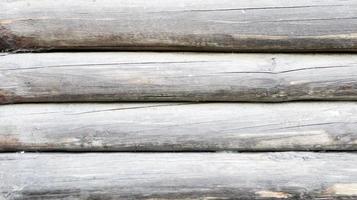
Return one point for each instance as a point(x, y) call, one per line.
point(84, 77)
point(179, 176)
point(201, 25)
point(178, 127)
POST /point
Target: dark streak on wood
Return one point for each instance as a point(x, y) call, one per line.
point(6, 43)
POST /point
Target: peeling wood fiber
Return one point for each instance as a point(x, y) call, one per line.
point(145, 76)
point(130, 127)
point(200, 25)
point(273, 176)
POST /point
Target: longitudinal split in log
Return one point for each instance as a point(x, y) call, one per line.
point(179, 127)
point(200, 25)
point(124, 76)
point(297, 176)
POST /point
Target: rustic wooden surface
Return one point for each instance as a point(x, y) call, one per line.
point(124, 76)
point(178, 127)
point(179, 176)
point(214, 25)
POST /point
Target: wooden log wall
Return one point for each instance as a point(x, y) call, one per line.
point(123, 76)
point(179, 176)
point(80, 121)
point(201, 25)
point(179, 127)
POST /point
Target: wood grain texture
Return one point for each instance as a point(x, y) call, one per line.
point(202, 25)
point(124, 76)
point(179, 176)
point(178, 127)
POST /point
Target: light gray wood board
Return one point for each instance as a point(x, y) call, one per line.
point(178, 127)
point(179, 176)
point(125, 76)
point(206, 25)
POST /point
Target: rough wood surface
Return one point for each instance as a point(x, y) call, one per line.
point(214, 25)
point(124, 76)
point(178, 127)
point(179, 176)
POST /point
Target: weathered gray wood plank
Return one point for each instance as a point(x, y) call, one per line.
point(179, 176)
point(208, 25)
point(84, 77)
point(179, 127)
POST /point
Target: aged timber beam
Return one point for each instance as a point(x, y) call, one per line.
point(297, 176)
point(179, 127)
point(201, 25)
point(125, 76)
